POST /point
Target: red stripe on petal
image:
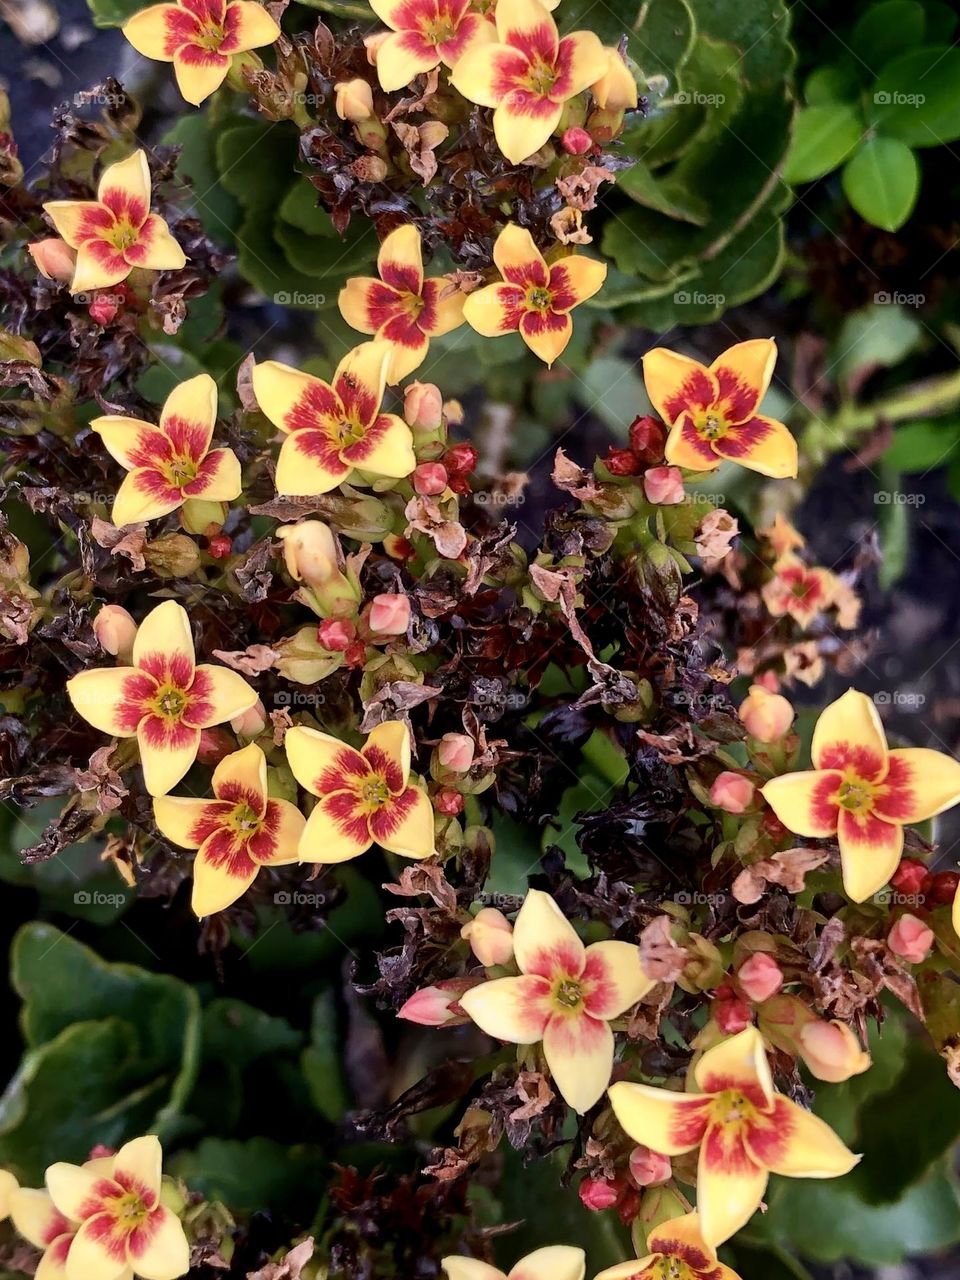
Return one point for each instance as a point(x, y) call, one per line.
point(155, 484)
point(105, 255)
point(560, 959)
point(181, 28)
point(107, 1231)
point(536, 322)
point(348, 766)
point(189, 439)
point(136, 1186)
point(865, 763)
point(737, 400)
point(317, 408)
point(58, 1248)
point(688, 1121)
point(768, 1135)
point(724, 1151)
point(694, 395)
point(536, 44)
point(382, 303)
point(823, 806)
point(200, 701)
point(94, 224)
point(192, 55)
point(400, 276)
point(236, 793)
point(866, 829)
point(210, 12)
point(532, 106)
point(136, 692)
point(566, 57)
point(696, 1259)
point(360, 449)
point(150, 449)
point(467, 28)
point(123, 204)
point(418, 45)
point(227, 851)
point(231, 29)
point(564, 295)
point(385, 820)
point(430, 297)
point(166, 735)
point(388, 768)
point(694, 440)
point(739, 441)
point(359, 401)
point(403, 331)
point(345, 810)
point(213, 818)
point(319, 446)
point(897, 799)
point(510, 68)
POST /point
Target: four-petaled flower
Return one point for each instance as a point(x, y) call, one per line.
point(200, 38)
point(863, 793)
point(116, 232)
point(37, 1219)
point(554, 1262)
point(425, 33)
point(678, 1251)
point(235, 834)
point(172, 462)
point(528, 74)
point(402, 308)
point(712, 412)
point(744, 1129)
point(533, 298)
point(164, 699)
point(565, 996)
point(124, 1229)
point(333, 428)
point(798, 590)
point(362, 796)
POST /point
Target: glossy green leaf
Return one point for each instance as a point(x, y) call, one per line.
point(885, 30)
point(823, 137)
point(915, 98)
point(881, 181)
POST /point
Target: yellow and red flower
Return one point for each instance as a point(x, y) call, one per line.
point(173, 462)
point(333, 429)
point(554, 1262)
point(402, 308)
point(123, 1228)
point(533, 298)
point(164, 699)
point(424, 33)
point(37, 1219)
point(566, 996)
point(863, 793)
point(235, 834)
point(116, 232)
point(528, 74)
point(798, 590)
point(363, 796)
point(678, 1251)
point(200, 38)
point(712, 413)
point(744, 1129)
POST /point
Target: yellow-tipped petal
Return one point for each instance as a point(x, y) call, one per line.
point(586, 61)
point(75, 220)
point(805, 802)
point(677, 385)
point(406, 356)
point(159, 1249)
point(686, 448)
point(920, 783)
point(385, 450)
point(579, 1053)
point(243, 774)
point(156, 249)
point(797, 1144)
point(128, 440)
point(218, 881)
point(361, 379)
point(546, 333)
point(514, 251)
point(184, 820)
point(613, 978)
point(513, 1009)
point(98, 267)
point(743, 373)
point(254, 29)
point(291, 399)
point(400, 61)
point(96, 1253)
point(478, 73)
point(761, 444)
point(553, 1262)
point(492, 311)
point(470, 1269)
point(218, 479)
point(140, 1162)
point(544, 941)
point(165, 756)
point(193, 402)
point(279, 844)
point(729, 1185)
point(520, 133)
point(152, 30)
point(575, 279)
point(356, 300)
point(308, 466)
point(870, 851)
point(71, 1187)
point(127, 182)
point(220, 695)
point(525, 19)
point(197, 79)
point(392, 739)
point(849, 734)
point(740, 1061)
point(448, 308)
point(102, 697)
point(405, 825)
point(33, 1214)
point(334, 831)
point(667, 1122)
point(400, 260)
point(164, 632)
point(320, 762)
point(143, 495)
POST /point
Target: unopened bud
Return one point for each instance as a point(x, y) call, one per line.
point(354, 100)
point(104, 308)
point(422, 405)
point(455, 752)
point(54, 258)
point(731, 1016)
point(731, 792)
point(336, 634)
point(448, 802)
point(116, 631)
point(649, 1168)
point(663, 486)
point(215, 744)
point(766, 716)
point(461, 458)
point(910, 939)
point(172, 555)
point(576, 141)
point(430, 479)
point(389, 614)
point(647, 438)
point(251, 723)
point(437, 1005)
point(490, 935)
point(759, 977)
point(369, 169)
point(831, 1051)
point(598, 1194)
point(616, 90)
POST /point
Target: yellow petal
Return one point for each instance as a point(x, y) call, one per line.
point(8, 1186)
point(165, 631)
point(155, 249)
point(514, 251)
point(385, 450)
point(355, 301)
point(740, 1061)
point(802, 1145)
point(579, 1053)
point(33, 1214)
point(546, 333)
point(219, 478)
point(920, 783)
point(361, 379)
point(849, 734)
point(519, 19)
point(320, 762)
point(196, 80)
point(729, 1186)
point(128, 440)
point(686, 448)
point(150, 30)
point(684, 1232)
point(586, 61)
point(255, 27)
point(93, 1254)
point(193, 402)
point(635, 1269)
point(492, 311)
point(143, 495)
point(576, 278)
point(470, 1269)
point(544, 941)
point(129, 179)
point(224, 694)
point(870, 851)
point(677, 385)
point(668, 1122)
point(620, 981)
point(284, 394)
point(331, 833)
point(518, 132)
point(159, 1249)
point(761, 444)
point(217, 881)
point(74, 219)
point(242, 775)
point(279, 844)
point(165, 758)
point(400, 61)
point(71, 1187)
point(805, 802)
point(140, 1162)
point(513, 1009)
point(448, 308)
point(477, 74)
point(101, 695)
point(98, 267)
point(405, 825)
point(392, 738)
point(553, 1262)
point(182, 819)
point(307, 466)
point(405, 355)
point(400, 260)
point(955, 913)
point(743, 373)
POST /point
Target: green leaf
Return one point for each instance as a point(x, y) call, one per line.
point(882, 181)
point(615, 392)
point(320, 1061)
point(641, 185)
point(886, 29)
point(257, 1175)
point(659, 32)
point(218, 211)
point(894, 537)
point(921, 446)
point(836, 83)
point(915, 99)
point(113, 13)
point(340, 8)
point(823, 137)
point(237, 1033)
point(876, 337)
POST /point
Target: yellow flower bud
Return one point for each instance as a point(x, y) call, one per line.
point(616, 90)
point(354, 100)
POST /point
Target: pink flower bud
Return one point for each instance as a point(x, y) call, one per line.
point(455, 752)
point(649, 1168)
point(354, 100)
point(250, 723)
point(831, 1051)
point(115, 630)
point(731, 792)
point(422, 405)
point(910, 939)
point(336, 634)
point(490, 935)
point(437, 1005)
point(760, 977)
point(663, 486)
point(430, 478)
point(448, 802)
point(766, 716)
point(389, 614)
point(731, 1016)
point(54, 258)
point(576, 141)
point(598, 1194)
point(103, 308)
